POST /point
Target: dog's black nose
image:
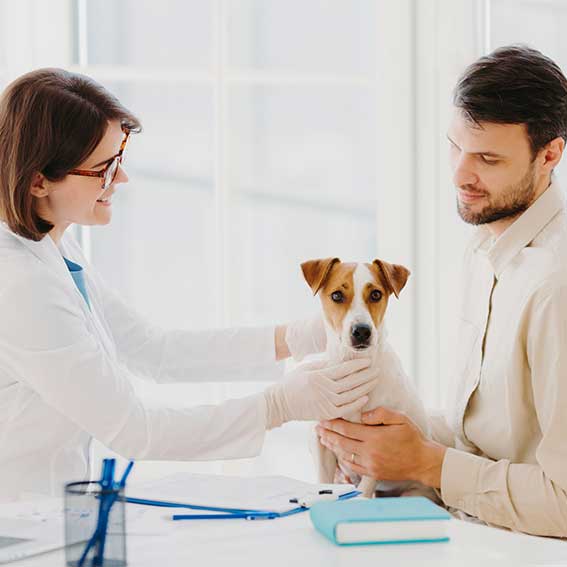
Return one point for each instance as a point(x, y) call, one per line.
point(359, 334)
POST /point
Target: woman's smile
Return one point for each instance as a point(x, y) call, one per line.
point(106, 201)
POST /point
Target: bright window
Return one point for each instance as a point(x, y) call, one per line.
point(259, 151)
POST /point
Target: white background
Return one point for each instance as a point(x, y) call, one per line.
point(276, 131)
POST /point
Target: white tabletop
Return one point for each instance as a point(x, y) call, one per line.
point(293, 542)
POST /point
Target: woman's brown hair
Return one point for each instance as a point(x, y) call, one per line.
point(51, 120)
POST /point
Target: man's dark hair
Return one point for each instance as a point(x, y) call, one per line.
point(516, 85)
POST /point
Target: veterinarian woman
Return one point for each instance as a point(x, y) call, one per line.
point(69, 346)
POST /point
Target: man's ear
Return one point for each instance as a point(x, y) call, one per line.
point(394, 276)
point(316, 272)
point(39, 185)
point(553, 151)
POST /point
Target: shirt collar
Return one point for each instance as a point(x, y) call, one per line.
point(522, 231)
point(46, 250)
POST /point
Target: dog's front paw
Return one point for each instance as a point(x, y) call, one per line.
point(340, 477)
point(345, 476)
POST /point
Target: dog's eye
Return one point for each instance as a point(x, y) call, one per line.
point(337, 296)
point(375, 295)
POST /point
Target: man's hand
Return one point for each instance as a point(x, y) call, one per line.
point(386, 446)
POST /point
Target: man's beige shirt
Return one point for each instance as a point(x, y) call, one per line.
point(508, 413)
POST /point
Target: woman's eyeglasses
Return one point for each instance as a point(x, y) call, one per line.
point(108, 174)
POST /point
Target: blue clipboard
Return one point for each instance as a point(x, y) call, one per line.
point(226, 513)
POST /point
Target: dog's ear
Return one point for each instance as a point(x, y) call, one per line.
point(393, 275)
point(316, 272)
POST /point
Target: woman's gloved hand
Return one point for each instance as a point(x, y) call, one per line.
point(317, 391)
point(306, 336)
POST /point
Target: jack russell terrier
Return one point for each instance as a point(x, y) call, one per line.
point(354, 298)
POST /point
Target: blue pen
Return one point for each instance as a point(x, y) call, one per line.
point(110, 477)
point(266, 516)
point(94, 539)
point(122, 482)
point(165, 504)
point(111, 500)
point(107, 501)
point(106, 504)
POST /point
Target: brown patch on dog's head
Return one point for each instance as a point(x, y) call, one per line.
point(375, 295)
point(393, 276)
point(316, 272)
point(333, 281)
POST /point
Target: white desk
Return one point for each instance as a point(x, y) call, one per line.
point(293, 542)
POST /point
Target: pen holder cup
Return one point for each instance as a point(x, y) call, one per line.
point(88, 507)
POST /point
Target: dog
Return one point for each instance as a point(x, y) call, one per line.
point(354, 298)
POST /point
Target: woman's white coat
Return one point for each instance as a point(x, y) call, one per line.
point(68, 373)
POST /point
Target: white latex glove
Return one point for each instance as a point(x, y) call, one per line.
point(316, 391)
point(306, 336)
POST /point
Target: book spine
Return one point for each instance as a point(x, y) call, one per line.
point(324, 524)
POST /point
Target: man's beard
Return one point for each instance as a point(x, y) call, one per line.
point(513, 202)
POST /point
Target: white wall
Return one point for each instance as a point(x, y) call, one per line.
point(449, 36)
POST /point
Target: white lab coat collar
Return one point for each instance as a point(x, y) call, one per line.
point(47, 251)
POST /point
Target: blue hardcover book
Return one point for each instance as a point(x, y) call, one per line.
point(406, 519)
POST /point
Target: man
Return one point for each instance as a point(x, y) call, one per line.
point(501, 454)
